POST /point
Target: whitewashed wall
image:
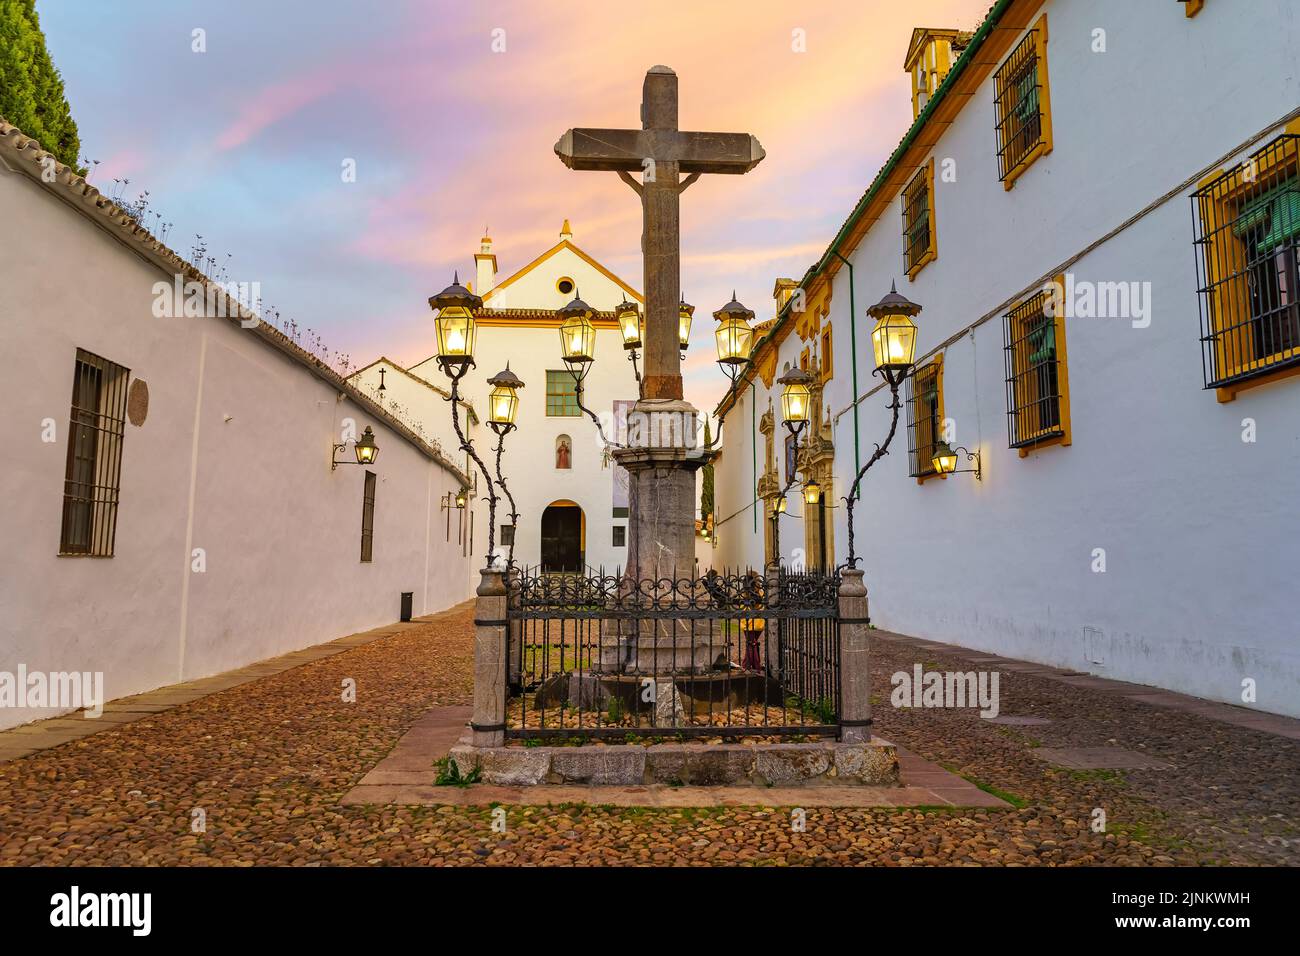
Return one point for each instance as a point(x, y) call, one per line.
point(233, 458)
point(1199, 528)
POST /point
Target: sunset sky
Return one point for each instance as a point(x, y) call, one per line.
point(245, 143)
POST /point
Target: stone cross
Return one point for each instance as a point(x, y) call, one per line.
point(663, 153)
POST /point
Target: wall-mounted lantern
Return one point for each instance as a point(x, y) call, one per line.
point(812, 492)
point(944, 460)
point(364, 447)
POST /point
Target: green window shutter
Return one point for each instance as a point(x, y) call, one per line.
point(1042, 339)
point(1283, 218)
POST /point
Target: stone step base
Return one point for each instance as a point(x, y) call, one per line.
point(710, 765)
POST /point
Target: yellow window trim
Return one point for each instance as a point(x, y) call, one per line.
point(828, 353)
point(937, 364)
point(932, 245)
point(1044, 145)
point(1192, 7)
point(1217, 213)
point(1060, 435)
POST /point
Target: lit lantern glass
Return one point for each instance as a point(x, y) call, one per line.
point(893, 340)
point(577, 334)
point(812, 492)
point(778, 505)
point(366, 449)
point(461, 498)
point(503, 400)
point(944, 459)
point(629, 324)
point(684, 313)
point(796, 397)
point(456, 331)
point(734, 335)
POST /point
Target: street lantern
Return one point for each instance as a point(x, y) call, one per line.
point(629, 323)
point(894, 338)
point(461, 498)
point(812, 492)
point(455, 324)
point(778, 505)
point(684, 313)
point(577, 334)
point(503, 400)
point(944, 459)
point(795, 398)
point(734, 335)
point(366, 449)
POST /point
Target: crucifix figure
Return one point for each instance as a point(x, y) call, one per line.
point(662, 153)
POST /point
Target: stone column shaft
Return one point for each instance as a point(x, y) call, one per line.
point(490, 641)
point(855, 661)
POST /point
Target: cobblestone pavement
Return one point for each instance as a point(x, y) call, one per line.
point(268, 761)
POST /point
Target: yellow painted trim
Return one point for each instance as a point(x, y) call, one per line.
point(1218, 212)
point(1066, 436)
point(932, 240)
point(937, 364)
point(1044, 145)
point(505, 322)
point(828, 353)
point(1229, 393)
point(565, 244)
point(1192, 7)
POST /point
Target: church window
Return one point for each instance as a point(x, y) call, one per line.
point(561, 394)
point(368, 518)
point(919, 245)
point(924, 416)
point(1248, 265)
point(94, 466)
point(1022, 106)
point(1038, 396)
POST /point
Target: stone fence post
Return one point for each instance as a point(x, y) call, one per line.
point(855, 661)
point(489, 720)
point(772, 626)
point(514, 657)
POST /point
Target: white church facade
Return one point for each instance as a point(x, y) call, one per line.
point(571, 497)
point(1135, 513)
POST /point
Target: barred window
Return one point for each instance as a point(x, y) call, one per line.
point(561, 394)
point(924, 417)
point(368, 518)
point(919, 245)
point(1248, 234)
point(1037, 383)
point(94, 467)
point(507, 535)
point(1022, 106)
point(620, 536)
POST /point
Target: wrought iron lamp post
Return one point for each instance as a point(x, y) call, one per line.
point(503, 404)
point(893, 342)
point(456, 331)
point(795, 400)
point(734, 337)
point(578, 350)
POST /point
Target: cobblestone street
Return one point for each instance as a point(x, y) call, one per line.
point(268, 762)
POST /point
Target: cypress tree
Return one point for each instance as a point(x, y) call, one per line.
point(31, 89)
point(706, 485)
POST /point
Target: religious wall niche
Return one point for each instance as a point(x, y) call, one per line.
point(563, 452)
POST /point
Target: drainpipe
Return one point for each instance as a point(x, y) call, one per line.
point(753, 445)
point(853, 345)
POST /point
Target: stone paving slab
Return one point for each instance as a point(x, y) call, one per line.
point(1099, 758)
point(17, 742)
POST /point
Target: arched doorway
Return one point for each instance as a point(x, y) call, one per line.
point(563, 537)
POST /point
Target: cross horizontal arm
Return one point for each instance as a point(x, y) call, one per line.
point(627, 149)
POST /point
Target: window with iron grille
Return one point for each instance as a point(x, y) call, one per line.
point(368, 518)
point(1248, 233)
point(1022, 107)
point(828, 354)
point(919, 245)
point(561, 395)
point(924, 416)
point(1038, 405)
point(620, 536)
point(507, 535)
point(94, 467)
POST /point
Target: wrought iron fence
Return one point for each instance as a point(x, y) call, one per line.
point(721, 655)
